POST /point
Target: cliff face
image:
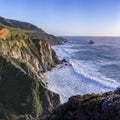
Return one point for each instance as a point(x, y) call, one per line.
point(23, 89)
point(89, 107)
point(34, 31)
point(33, 56)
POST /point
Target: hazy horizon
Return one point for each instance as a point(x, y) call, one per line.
point(67, 17)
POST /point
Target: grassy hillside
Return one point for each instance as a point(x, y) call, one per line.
point(27, 28)
point(20, 25)
point(15, 31)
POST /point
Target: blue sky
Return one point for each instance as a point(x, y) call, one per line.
point(67, 17)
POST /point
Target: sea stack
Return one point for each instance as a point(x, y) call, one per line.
point(91, 42)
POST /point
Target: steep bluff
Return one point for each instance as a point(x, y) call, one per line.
point(31, 55)
point(23, 89)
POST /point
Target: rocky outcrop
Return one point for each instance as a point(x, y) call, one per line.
point(33, 31)
point(32, 56)
point(89, 107)
point(23, 89)
point(91, 42)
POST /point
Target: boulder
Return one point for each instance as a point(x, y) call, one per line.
point(91, 42)
point(64, 60)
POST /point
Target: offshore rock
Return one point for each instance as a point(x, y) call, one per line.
point(91, 42)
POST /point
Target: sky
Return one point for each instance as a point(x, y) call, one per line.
point(67, 17)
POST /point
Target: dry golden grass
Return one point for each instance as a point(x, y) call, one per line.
point(5, 33)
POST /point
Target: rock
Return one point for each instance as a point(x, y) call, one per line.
point(91, 42)
point(20, 117)
point(64, 60)
point(117, 91)
point(89, 107)
point(56, 60)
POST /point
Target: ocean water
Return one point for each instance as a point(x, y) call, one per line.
point(91, 69)
point(103, 58)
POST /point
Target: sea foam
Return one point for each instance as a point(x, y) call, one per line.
point(77, 77)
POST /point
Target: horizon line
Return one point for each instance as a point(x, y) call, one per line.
point(86, 36)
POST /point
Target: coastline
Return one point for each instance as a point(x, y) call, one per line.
point(66, 82)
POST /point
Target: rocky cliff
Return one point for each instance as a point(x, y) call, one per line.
point(23, 89)
point(32, 30)
point(89, 107)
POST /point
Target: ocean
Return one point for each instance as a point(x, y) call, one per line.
point(91, 68)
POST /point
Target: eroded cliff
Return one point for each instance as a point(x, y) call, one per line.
point(23, 89)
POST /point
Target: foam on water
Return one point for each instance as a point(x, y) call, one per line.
point(59, 49)
point(66, 82)
point(78, 77)
point(89, 71)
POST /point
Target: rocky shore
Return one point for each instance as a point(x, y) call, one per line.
point(89, 107)
point(24, 94)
